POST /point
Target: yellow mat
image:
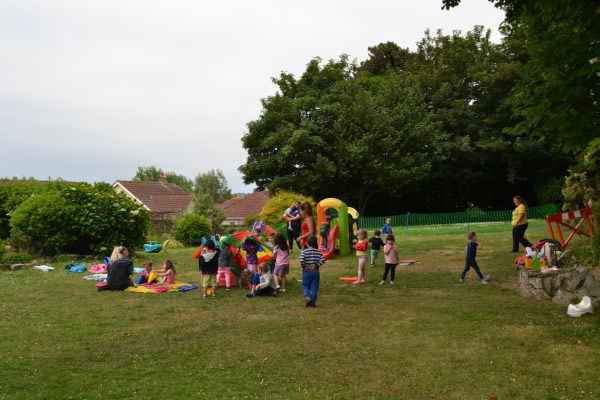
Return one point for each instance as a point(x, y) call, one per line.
point(145, 289)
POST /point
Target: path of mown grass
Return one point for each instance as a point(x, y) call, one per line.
point(427, 337)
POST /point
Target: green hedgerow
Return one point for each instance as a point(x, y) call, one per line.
point(191, 228)
point(80, 218)
point(272, 212)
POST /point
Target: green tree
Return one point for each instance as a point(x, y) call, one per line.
point(204, 205)
point(466, 80)
point(213, 184)
point(152, 174)
point(333, 133)
point(558, 86)
point(385, 56)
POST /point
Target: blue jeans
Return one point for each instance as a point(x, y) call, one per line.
point(310, 284)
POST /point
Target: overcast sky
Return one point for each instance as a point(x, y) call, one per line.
point(90, 90)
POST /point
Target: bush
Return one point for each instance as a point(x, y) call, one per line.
point(16, 258)
point(191, 228)
point(80, 218)
point(273, 211)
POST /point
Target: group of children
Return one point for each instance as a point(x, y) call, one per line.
point(259, 279)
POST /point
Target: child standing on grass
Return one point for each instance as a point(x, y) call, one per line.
point(311, 259)
point(387, 228)
point(251, 248)
point(391, 258)
point(224, 270)
point(361, 252)
point(266, 285)
point(324, 231)
point(209, 266)
point(168, 273)
point(376, 244)
point(281, 253)
point(472, 248)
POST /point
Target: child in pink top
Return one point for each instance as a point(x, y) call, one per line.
point(391, 258)
point(281, 252)
point(168, 272)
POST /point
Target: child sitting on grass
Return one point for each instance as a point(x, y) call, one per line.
point(168, 273)
point(144, 276)
point(472, 248)
point(266, 284)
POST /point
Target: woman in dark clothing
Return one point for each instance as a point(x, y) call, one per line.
point(119, 270)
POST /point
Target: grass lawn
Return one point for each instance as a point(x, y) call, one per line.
point(427, 337)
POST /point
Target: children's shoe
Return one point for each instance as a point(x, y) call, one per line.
point(391, 282)
point(277, 287)
point(214, 296)
point(357, 282)
point(381, 283)
point(463, 280)
point(229, 288)
point(363, 280)
point(249, 294)
point(485, 282)
point(307, 302)
point(486, 278)
point(204, 296)
point(282, 290)
point(372, 265)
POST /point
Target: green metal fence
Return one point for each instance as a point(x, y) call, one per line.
point(462, 220)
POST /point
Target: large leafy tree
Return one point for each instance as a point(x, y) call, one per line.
point(466, 80)
point(335, 133)
point(212, 184)
point(558, 86)
point(152, 174)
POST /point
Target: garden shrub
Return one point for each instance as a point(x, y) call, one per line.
point(272, 213)
point(79, 218)
point(191, 228)
point(16, 258)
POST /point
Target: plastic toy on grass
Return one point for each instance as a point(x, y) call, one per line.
point(152, 247)
point(585, 306)
point(171, 246)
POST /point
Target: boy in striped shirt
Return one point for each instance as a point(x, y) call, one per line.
point(310, 261)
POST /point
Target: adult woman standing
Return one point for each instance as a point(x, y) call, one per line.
point(308, 226)
point(519, 223)
point(119, 270)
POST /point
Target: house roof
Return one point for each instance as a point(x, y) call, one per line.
point(241, 207)
point(157, 197)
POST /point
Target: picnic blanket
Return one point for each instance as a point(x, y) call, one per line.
point(98, 269)
point(160, 288)
point(44, 268)
point(96, 277)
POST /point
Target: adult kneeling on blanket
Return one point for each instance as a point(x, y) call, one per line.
point(119, 270)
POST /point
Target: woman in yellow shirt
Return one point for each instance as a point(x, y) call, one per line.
point(519, 223)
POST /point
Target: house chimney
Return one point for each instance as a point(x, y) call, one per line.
point(161, 178)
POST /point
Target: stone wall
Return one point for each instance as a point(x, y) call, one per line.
point(562, 286)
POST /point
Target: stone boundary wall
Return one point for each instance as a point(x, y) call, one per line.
point(562, 286)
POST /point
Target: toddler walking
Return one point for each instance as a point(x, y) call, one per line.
point(376, 244)
point(472, 248)
point(311, 259)
point(391, 258)
point(281, 253)
point(224, 270)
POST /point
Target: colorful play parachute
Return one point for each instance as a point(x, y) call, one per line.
point(238, 262)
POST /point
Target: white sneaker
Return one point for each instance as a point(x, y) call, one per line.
point(391, 282)
point(382, 283)
point(282, 290)
point(277, 287)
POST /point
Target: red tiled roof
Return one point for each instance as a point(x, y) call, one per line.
point(245, 206)
point(158, 197)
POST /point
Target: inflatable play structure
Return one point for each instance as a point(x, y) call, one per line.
point(152, 247)
point(238, 261)
point(342, 230)
point(264, 228)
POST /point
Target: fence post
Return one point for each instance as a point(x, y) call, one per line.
point(407, 215)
